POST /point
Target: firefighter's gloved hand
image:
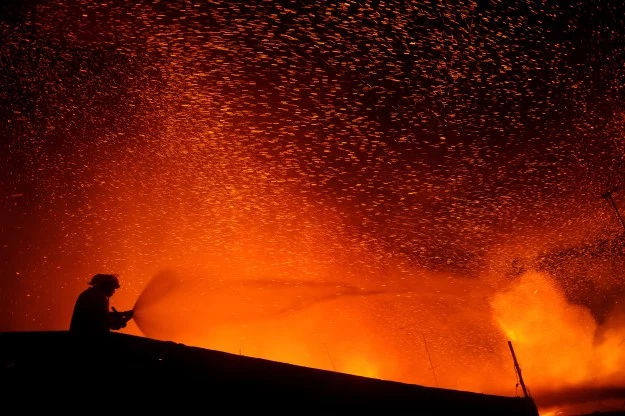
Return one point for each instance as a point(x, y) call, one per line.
point(126, 316)
point(119, 319)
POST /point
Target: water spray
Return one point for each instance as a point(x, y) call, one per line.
point(157, 288)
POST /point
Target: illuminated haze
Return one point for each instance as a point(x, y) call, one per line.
point(376, 188)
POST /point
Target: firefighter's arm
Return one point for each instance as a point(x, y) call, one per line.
point(118, 320)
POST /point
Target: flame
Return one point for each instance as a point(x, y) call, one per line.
point(336, 327)
point(361, 366)
point(554, 338)
point(288, 220)
point(310, 297)
point(559, 344)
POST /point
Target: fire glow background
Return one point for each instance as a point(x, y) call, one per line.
point(391, 189)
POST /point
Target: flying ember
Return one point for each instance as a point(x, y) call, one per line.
point(383, 188)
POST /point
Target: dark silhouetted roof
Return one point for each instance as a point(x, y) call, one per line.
point(118, 372)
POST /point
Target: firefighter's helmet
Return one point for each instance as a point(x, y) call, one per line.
point(102, 279)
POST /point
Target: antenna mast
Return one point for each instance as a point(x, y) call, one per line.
point(608, 196)
point(430, 358)
point(518, 370)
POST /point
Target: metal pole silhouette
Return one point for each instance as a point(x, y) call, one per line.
point(608, 196)
point(518, 370)
point(329, 356)
point(430, 358)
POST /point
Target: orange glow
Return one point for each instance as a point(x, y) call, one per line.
point(331, 310)
point(544, 328)
point(333, 325)
point(262, 193)
point(558, 340)
point(361, 367)
point(297, 289)
point(559, 344)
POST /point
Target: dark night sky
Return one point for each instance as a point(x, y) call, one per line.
point(361, 138)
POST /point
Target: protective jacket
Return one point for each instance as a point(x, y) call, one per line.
point(92, 314)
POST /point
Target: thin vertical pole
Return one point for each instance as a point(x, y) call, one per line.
point(329, 356)
point(518, 370)
point(608, 196)
point(430, 358)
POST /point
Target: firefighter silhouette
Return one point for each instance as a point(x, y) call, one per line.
point(92, 314)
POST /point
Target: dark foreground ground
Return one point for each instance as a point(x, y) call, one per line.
point(55, 371)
